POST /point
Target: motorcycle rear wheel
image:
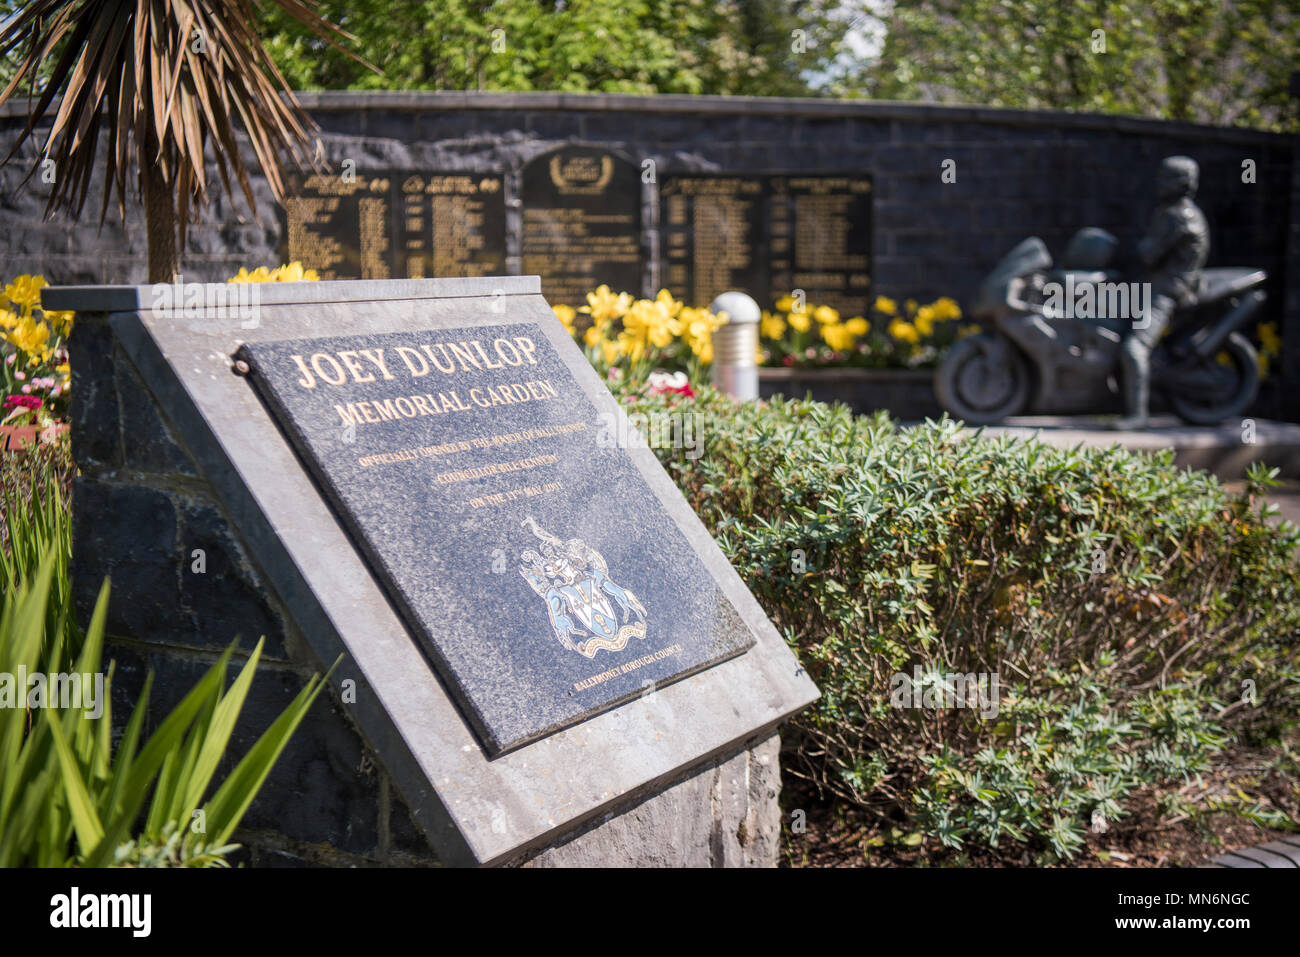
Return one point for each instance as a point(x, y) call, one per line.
point(973, 385)
point(1195, 407)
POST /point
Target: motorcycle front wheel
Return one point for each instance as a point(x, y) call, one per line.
point(982, 381)
point(1220, 387)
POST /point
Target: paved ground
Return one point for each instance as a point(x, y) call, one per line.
point(1226, 450)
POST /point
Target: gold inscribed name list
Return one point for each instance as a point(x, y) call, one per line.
point(627, 667)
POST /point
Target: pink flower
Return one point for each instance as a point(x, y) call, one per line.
point(20, 375)
point(663, 383)
point(22, 401)
point(27, 388)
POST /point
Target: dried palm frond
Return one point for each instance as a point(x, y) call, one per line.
point(159, 78)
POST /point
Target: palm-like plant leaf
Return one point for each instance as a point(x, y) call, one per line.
point(159, 79)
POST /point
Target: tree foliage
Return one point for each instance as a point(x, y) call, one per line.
point(751, 47)
point(1208, 61)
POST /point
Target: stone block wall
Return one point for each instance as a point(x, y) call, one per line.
point(184, 585)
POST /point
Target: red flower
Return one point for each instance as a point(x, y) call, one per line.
point(25, 401)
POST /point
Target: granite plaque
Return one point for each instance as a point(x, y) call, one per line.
point(768, 235)
point(397, 224)
point(301, 543)
point(581, 222)
point(543, 577)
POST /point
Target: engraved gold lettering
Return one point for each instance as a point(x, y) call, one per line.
point(377, 357)
point(408, 354)
point(450, 367)
point(528, 347)
point(354, 366)
point(507, 344)
point(320, 357)
point(308, 381)
point(462, 353)
point(487, 363)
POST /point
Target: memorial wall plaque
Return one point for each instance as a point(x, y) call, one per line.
point(397, 224)
point(820, 239)
point(766, 236)
point(713, 236)
point(541, 574)
point(581, 223)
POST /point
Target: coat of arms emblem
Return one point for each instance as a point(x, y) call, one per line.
point(588, 610)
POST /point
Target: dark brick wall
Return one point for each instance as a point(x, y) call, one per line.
point(1018, 173)
point(1291, 320)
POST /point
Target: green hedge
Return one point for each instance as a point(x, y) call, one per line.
point(1126, 606)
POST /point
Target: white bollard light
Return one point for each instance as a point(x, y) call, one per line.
point(735, 370)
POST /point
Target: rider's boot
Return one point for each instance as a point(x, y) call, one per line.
point(1134, 365)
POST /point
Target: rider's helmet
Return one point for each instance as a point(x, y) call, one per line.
point(1178, 177)
point(1090, 249)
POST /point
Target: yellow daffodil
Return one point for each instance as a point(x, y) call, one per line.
point(825, 315)
point(858, 326)
point(60, 320)
point(886, 305)
point(611, 351)
point(837, 336)
point(632, 345)
point(603, 305)
point(1269, 340)
point(668, 304)
point(799, 321)
point(925, 321)
point(260, 274)
point(566, 315)
point(697, 328)
point(31, 336)
point(903, 331)
point(770, 326)
point(785, 304)
point(648, 322)
point(25, 291)
point(8, 319)
point(946, 308)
